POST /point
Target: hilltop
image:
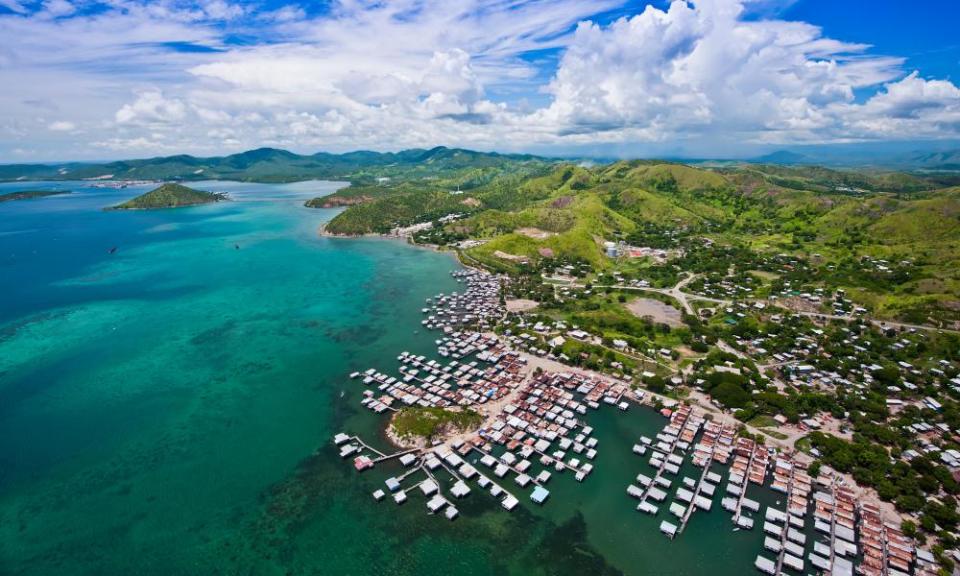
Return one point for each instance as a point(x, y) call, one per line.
point(170, 196)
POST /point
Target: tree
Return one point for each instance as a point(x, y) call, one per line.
point(909, 528)
point(814, 468)
point(910, 503)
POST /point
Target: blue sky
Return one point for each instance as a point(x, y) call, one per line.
point(90, 79)
point(925, 33)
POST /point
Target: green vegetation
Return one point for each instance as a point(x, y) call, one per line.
point(30, 194)
point(892, 240)
point(170, 196)
point(784, 270)
point(428, 422)
point(907, 484)
point(454, 184)
point(389, 212)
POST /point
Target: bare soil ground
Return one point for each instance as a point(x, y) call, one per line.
point(520, 305)
point(535, 233)
point(655, 310)
point(512, 257)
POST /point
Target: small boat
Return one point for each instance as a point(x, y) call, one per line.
point(113, 250)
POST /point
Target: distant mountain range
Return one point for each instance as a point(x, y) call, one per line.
point(856, 157)
point(274, 165)
point(783, 157)
point(949, 160)
point(269, 165)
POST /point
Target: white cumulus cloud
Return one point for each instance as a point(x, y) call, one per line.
point(703, 69)
point(152, 107)
point(62, 126)
point(506, 74)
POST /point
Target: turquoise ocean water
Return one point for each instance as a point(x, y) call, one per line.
point(167, 408)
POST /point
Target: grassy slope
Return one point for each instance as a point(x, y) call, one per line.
point(576, 217)
point(924, 230)
point(411, 197)
point(803, 210)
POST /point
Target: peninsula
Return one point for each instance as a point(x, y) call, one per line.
point(170, 196)
point(30, 194)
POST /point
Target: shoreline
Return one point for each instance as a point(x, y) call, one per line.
point(887, 509)
point(323, 233)
point(401, 443)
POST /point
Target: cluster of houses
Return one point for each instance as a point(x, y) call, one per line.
point(534, 424)
point(741, 279)
point(802, 355)
point(533, 431)
point(429, 383)
point(881, 265)
point(623, 250)
point(478, 306)
point(852, 531)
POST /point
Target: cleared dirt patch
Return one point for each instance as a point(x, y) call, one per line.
point(656, 310)
point(511, 257)
point(798, 304)
point(535, 233)
point(520, 305)
point(764, 275)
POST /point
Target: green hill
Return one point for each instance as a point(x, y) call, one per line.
point(892, 239)
point(170, 196)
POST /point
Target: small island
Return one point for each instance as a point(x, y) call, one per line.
point(170, 196)
point(418, 426)
point(30, 194)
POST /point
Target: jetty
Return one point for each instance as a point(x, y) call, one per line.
point(886, 551)
point(786, 526)
point(705, 487)
point(533, 428)
point(678, 433)
point(834, 512)
point(749, 466)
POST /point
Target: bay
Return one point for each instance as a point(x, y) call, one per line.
point(170, 381)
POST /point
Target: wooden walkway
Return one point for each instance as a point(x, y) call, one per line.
point(743, 487)
point(699, 487)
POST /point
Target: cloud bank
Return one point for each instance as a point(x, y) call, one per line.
point(85, 79)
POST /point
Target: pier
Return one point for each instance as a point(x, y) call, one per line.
point(833, 516)
point(682, 429)
point(740, 474)
point(703, 456)
point(788, 551)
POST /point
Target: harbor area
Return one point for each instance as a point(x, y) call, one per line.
point(525, 435)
